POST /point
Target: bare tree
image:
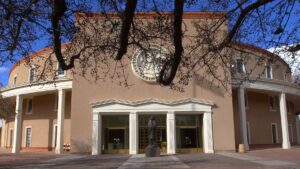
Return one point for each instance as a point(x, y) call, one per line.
point(6, 107)
point(267, 23)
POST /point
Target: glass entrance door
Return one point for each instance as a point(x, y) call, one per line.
point(116, 139)
point(188, 137)
point(189, 133)
point(161, 136)
point(115, 135)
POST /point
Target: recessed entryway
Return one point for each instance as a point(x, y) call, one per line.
point(115, 134)
point(189, 133)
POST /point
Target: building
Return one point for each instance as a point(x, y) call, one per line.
point(105, 117)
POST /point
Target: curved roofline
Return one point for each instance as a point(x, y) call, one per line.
point(35, 54)
point(236, 44)
point(150, 15)
point(260, 50)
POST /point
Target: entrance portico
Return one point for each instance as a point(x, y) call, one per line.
point(278, 90)
point(147, 107)
point(34, 90)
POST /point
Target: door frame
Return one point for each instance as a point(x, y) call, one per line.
point(25, 140)
point(116, 151)
point(275, 124)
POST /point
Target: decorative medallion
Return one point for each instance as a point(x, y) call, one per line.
point(148, 64)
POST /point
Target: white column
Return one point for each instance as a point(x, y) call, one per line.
point(18, 125)
point(208, 132)
point(3, 130)
point(297, 129)
point(243, 119)
point(96, 135)
point(60, 121)
point(171, 133)
point(133, 133)
point(284, 122)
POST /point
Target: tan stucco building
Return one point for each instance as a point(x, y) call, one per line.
point(105, 117)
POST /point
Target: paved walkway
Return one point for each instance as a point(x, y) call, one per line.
point(262, 159)
point(77, 162)
point(258, 160)
point(165, 161)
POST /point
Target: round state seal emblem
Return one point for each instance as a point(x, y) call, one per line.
point(148, 64)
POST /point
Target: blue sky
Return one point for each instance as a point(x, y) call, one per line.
point(4, 70)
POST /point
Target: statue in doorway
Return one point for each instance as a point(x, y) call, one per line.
point(152, 130)
point(152, 150)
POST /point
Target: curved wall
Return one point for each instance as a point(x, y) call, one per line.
point(40, 60)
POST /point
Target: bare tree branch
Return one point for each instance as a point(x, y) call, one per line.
point(241, 19)
point(127, 19)
point(169, 69)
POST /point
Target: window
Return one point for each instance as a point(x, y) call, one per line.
point(268, 71)
point(291, 133)
point(29, 106)
point(56, 103)
point(28, 137)
point(11, 133)
point(240, 66)
point(31, 74)
point(15, 80)
point(288, 109)
point(272, 103)
point(54, 135)
point(274, 133)
point(248, 133)
point(60, 71)
point(286, 76)
point(246, 100)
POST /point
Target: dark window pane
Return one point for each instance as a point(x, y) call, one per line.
point(29, 108)
point(60, 71)
point(31, 75)
point(240, 66)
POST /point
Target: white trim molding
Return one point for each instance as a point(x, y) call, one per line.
point(152, 105)
point(273, 85)
point(36, 88)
